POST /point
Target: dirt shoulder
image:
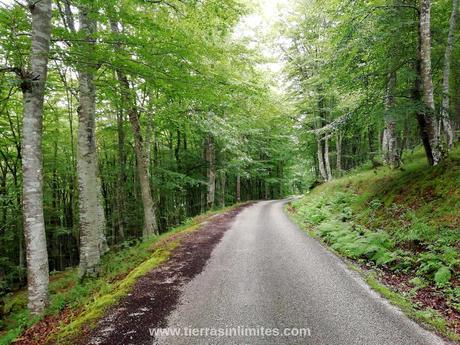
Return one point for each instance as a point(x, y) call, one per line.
point(156, 294)
point(123, 304)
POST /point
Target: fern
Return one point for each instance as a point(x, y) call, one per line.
point(442, 276)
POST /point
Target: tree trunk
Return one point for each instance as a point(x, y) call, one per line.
point(150, 223)
point(211, 171)
point(91, 213)
point(338, 146)
point(121, 178)
point(33, 88)
point(238, 188)
point(327, 163)
point(323, 151)
point(266, 190)
point(429, 125)
point(321, 163)
point(445, 118)
point(223, 181)
point(129, 100)
point(148, 138)
point(389, 140)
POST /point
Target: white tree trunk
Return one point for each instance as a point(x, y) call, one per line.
point(321, 166)
point(327, 163)
point(33, 88)
point(389, 140)
point(445, 118)
point(148, 138)
point(211, 171)
point(91, 213)
point(425, 53)
point(427, 80)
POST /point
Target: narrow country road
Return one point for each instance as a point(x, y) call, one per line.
point(267, 273)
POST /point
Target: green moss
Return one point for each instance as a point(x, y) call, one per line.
point(14, 302)
point(392, 296)
point(110, 295)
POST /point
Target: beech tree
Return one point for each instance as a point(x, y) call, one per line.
point(92, 218)
point(33, 88)
point(92, 223)
point(445, 122)
point(389, 140)
point(129, 100)
point(428, 124)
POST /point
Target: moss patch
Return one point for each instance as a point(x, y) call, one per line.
point(93, 310)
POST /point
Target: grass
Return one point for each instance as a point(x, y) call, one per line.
point(403, 221)
point(429, 317)
point(96, 307)
point(87, 300)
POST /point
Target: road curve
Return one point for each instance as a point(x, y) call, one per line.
point(267, 273)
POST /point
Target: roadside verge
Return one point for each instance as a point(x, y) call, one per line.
point(147, 275)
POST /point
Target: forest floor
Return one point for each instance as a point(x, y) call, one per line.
point(159, 265)
point(401, 229)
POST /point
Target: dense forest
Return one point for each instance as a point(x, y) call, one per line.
point(373, 79)
point(141, 113)
point(122, 119)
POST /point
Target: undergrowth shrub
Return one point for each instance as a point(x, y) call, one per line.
point(331, 215)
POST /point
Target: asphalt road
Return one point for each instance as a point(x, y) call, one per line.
point(267, 273)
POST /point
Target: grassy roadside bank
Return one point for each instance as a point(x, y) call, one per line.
point(402, 228)
point(75, 303)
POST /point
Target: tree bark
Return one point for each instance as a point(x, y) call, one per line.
point(33, 88)
point(445, 117)
point(327, 163)
point(91, 213)
point(211, 171)
point(121, 178)
point(238, 187)
point(429, 125)
point(320, 156)
point(323, 151)
point(150, 222)
point(321, 161)
point(338, 145)
point(148, 138)
point(389, 140)
point(223, 182)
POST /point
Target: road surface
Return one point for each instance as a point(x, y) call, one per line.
point(267, 273)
